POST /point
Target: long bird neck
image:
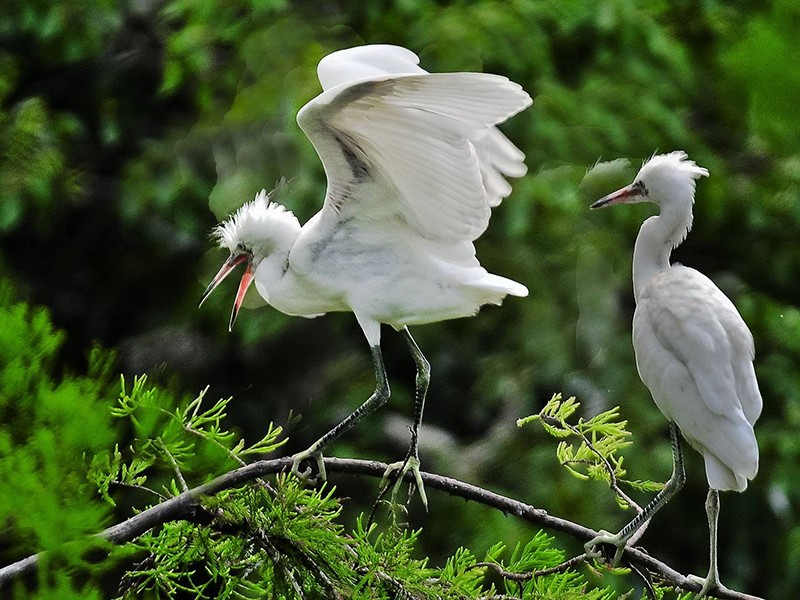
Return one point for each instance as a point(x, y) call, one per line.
point(273, 266)
point(272, 269)
point(277, 236)
point(286, 289)
point(657, 238)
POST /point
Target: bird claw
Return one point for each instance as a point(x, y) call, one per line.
point(594, 550)
point(707, 584)
point(306, 475)
point(411, 463)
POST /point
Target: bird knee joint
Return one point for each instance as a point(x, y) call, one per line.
point(424, 371)
point(676, 482)
point(712, 500)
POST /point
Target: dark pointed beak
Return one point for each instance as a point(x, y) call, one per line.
point(233, 261)
point(630, 193)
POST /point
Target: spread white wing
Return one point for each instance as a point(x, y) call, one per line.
point(397, 141)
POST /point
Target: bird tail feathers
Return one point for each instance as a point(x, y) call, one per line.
point(498, 287)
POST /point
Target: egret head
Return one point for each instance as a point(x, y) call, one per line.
point(256, 230)
point(664, 179)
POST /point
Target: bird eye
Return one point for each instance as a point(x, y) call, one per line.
point(241, 247)
point(642, 189)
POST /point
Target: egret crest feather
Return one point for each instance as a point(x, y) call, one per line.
point(671, 177)
point(255, 223)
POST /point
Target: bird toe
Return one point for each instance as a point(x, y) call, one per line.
point(707, 584)
point(396, 472)
point(307, 475)
point(594, 547)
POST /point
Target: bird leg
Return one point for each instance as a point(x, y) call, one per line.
point(411, 461)
point(376, 400)
point(711, 581)
point(673, 485)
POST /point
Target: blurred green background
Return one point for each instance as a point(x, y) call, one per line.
point(129, 128)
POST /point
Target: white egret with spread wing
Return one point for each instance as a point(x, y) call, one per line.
point(694, 351)
point(414, 165)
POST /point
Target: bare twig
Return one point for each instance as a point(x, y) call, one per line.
point(646, 580)
point(510, 575)
point(134, 486)
point(184, 505)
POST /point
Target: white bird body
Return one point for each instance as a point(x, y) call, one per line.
point(694, 351)
point(377, 271)
point(414, 163)
point(695, 354)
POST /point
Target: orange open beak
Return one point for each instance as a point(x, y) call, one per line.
point(233, 261)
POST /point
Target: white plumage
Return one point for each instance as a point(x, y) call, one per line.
point(695, 354)
point(414, 164)
point(694, 351)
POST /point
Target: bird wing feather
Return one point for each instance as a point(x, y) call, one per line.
point(727, 442)
point(366, 62)
point(422, 146)
point(701, 327)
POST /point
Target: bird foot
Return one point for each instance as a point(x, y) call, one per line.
point(306, 475)
point(708, 583)
point(594, 546)
point(411, 463)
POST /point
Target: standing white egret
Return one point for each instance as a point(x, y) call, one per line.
point(414, 164)
point(694, 351)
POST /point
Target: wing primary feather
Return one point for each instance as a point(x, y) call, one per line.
point(427, 141)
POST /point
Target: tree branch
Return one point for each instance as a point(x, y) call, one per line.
point(186, 504)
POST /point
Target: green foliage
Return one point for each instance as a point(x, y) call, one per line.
point(124, 122)
point(261, 539)
point(760, 58)
point(61, 32)
point(540, 562)
point(265, 540)
point(260, 542)
point(34, 172)
point(50, 427)
point(199, 29)
point(174, 442)
point(37, 171)
point(253, 542)
point(596, 457)
point(601, 440)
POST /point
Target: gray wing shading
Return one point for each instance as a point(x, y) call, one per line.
point(420, 146)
